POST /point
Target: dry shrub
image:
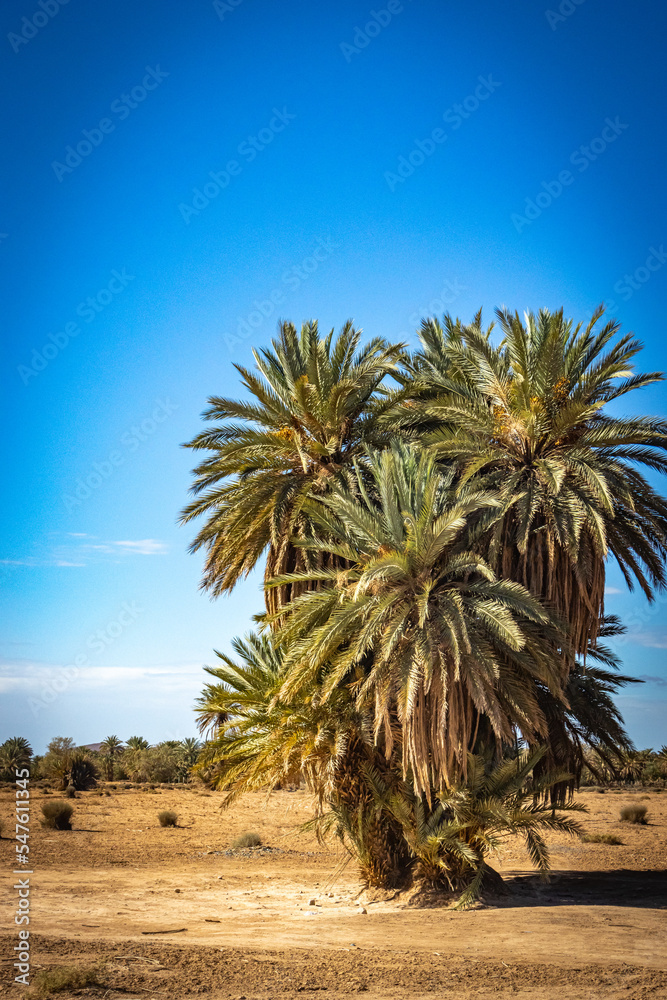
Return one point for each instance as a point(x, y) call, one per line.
point(600, 838)
point(57, 815)
point(247, 840)
point(70, 793)
point(67, 977)
point(167, 818)
point(634, 814)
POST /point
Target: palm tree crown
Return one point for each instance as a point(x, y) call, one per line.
point(316, 402)
point(529, 417)
point(442, 640)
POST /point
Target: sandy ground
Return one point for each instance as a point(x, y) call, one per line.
point(286, 920)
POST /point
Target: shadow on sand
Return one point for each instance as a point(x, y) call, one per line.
point(621, 887)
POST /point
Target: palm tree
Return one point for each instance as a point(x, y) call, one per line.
point(15, 754)
point(313, 406)
point(451, 841)
point(136, 743)
point(443, 644)
point(264, 742)
point(189, 752)
point(530, 417)
point(111, 749)
point(588, 729)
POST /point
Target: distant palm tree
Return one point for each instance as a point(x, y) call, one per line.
point(443, 643)
point(111, 749)
point(190, 748)
point(313, 406)
point(531, 418)
point(15, 754)
point(137, 743)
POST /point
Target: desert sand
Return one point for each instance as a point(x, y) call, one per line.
point(175, 912)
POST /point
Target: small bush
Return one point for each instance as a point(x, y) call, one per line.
point(247, 840)
point(57, 815)
point(67, 977)
point(634, 814)
point(70, 792)
point(600, 838)
point(167, 818)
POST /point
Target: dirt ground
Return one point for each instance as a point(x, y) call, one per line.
point(173, 912)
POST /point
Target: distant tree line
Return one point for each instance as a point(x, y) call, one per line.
point(81, 768)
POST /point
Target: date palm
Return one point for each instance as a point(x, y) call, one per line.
point(450, 842)
point(110, 749)
point(442, 643)
point(15, 754)
point(136, 743)
point(588, 729)
point(259, 740)
point(309, 410)
point(531, 417)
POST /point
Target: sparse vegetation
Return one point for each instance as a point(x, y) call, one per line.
point(167, 818)
point(634, 814)
point(247, 840)
point(57, 815)
point(67, 977)
point(600, 838)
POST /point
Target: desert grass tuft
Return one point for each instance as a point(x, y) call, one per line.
point(57, 815)
point(67, 977)
point(247, 840)
point(600, 838)
point(167, 818)
point(70, 792)
point(634, 814)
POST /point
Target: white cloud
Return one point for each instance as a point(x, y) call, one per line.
point(145, 547)
point(31, 676)
point(78, 549)
point(611, 590)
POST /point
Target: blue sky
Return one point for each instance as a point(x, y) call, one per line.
point(178, 176)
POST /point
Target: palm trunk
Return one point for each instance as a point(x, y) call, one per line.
point(380, 846)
